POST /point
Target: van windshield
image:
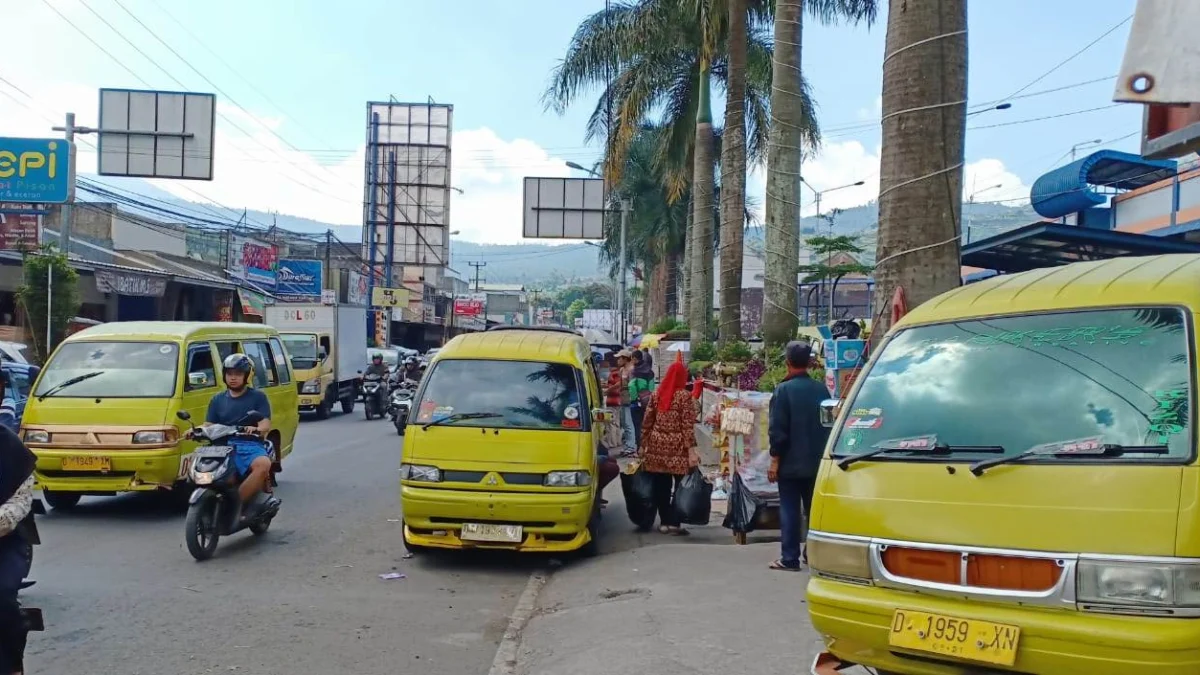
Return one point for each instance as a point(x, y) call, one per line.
point(302, 349)
point(526, 394)
point(1122, 376)
point(113, 370)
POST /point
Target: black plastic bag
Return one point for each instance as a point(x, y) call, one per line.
point(693, 499)
point(744, 507)
point(638, 488)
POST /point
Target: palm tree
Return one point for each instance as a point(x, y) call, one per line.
point(793, 127)
point(733, 177)
point(920, 176)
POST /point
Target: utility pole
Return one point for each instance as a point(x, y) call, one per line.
point(477, 265)
point(626, 207)
point(533, 306)
point(328, 259)
point(68, 208)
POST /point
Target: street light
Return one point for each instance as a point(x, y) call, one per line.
point(999, 106)
point(577, 167)
point(971, 200)
point(625, 208)
point(1084, 144)
point(829, 260)
point(458, 190)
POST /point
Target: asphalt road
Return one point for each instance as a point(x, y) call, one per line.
point(122, 596)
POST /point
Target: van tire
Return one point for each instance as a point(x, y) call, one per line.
point(324, 408)
point(61, 501)
point(348, 405)
point(592, 548)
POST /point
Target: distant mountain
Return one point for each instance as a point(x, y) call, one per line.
point(539, 263)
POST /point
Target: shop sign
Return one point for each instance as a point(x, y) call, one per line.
point(389, 297)
point(469, 305)
point(253, 260)
point(129, 283)
point(20, 226)
point(357, 293)
point(299, 278)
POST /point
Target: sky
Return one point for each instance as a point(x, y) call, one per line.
point(292, 79)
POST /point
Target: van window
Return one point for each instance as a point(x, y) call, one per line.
point(525, 394)
point(281, 362)
point(1122, 376)
point(264, 365)
point(225, 349)
point(111, 370)
point(200, 360)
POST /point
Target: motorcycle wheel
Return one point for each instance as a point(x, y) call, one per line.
point(368, 412)
point(61, 501)
point(259, 528)
point(200, 531)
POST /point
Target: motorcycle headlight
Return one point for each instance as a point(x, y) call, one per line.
point(37, 436)
point(568, 479)
point(205, 478)
point(1132, 585)
point(417, 472)
point(312, 386)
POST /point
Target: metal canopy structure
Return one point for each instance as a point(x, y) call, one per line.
point(1077, 186)
point(1042, 245)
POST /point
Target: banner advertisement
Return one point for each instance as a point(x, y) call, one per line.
point(130, 283)
point(357, 293)
point(389, 297)
point(299, 278)
point(469, 305)
point(253, 260)
point(20, 226)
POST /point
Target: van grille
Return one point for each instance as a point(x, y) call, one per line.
point(1001, 572)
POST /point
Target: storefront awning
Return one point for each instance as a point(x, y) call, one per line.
point(1072, 188)
point(253, 304)
point(1050, 244)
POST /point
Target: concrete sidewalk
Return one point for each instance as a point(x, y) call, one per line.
point(670, 606)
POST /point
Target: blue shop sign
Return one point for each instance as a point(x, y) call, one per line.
point(35, 170)
point(303, 278)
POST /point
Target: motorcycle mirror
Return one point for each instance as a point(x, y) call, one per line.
point(184, 415)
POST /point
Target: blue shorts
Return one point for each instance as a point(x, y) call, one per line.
point(244, 454)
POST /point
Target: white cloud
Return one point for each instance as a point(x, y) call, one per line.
point(989, 181)
point(872, 113)
point(262, 172)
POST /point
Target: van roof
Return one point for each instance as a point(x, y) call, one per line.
point(1145, 280)
point(169, 330)
point(519, 345)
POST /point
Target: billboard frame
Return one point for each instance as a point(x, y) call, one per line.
point(198, 136)
point(563, 208)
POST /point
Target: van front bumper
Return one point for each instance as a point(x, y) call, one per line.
point(132, 470)
point(855, 622)
point(551, 522)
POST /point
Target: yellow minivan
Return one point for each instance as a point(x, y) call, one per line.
point(101, 415)
point(501, 445)
point(1012, 484)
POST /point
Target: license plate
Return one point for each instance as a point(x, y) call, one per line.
point(966, 639)
point(491, 532)
point(103, 464)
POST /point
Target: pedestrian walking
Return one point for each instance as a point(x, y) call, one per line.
point(16, 501)
point(797, 440)
point(669, 442)
point(618, 398)
point(641, 389)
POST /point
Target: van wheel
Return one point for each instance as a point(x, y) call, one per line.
point(348, 405)
point(324, 408)
point(61, 501)
point(592, 548)
point(411, 548)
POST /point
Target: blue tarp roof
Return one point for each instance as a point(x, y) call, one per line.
point(1068, 189)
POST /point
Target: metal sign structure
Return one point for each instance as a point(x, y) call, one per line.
point(156, 134)
point(564, 208)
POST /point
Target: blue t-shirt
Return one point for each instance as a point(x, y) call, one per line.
point(225, 408)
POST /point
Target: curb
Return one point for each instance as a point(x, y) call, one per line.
point(505, 662)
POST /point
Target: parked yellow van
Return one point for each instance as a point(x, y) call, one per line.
point(501, 446)
point(1012, 485)
point(101, 415)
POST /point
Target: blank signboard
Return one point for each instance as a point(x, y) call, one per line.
point(564, 208)
point(129, 146)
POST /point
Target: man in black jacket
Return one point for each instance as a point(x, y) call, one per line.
point(797, 441)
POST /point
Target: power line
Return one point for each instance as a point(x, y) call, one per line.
point(1045, 117)
point(1072, 57)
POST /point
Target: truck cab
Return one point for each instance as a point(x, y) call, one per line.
point(327, 345)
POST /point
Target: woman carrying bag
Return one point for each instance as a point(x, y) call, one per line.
point(669, 442)
point(16, 501)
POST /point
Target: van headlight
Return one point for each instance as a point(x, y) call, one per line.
point(37, 436)
point(418, 472)
point(312, 386)
point(844, 559)
point(568, 479)
point(1137, 584)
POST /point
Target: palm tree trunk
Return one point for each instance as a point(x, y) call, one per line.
point(920, 179)
point(685, 275)
point(733, 178)
point(671, 271)
point(702, 216)
point(782, 238)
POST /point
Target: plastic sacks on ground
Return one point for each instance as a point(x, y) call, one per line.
point(693, 499)
point(744, 507)
point(638, 488)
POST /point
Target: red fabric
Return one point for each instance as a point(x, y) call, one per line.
point(899, 305)
point(674, 380)
point(613, 387)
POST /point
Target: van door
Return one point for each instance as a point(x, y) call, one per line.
point(199, 380)
point(285, 416)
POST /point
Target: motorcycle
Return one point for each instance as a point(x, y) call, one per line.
point(215, 508)
point(373, 394)
point(401, 405)
point(31, 617)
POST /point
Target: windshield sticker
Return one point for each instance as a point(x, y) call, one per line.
point(911, 443)
point(1093, 445)
point(1064, 337)
point(869, 422)
point(165, 349)
point(571, 412)
point(853, 438)
point(425, 414)
point(863, 412)
point(442, 412)
point(1169, 417)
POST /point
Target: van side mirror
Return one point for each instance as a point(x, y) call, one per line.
point(602, 415)
point(184, 415)
point(198, 379)
point(830, 409)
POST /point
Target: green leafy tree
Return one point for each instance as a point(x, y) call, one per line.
point(831, 266)
point(575, 310)
point(50, 286)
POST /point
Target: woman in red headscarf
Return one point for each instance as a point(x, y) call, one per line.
point(669, 442)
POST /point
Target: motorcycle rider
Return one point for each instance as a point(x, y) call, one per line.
point(16, 502)
point(412, 369)
point(229, 407)
point(379, 368)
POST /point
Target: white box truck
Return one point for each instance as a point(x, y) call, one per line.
point(328, 348)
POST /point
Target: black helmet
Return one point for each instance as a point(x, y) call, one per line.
point(239, 363)
point(377, 356)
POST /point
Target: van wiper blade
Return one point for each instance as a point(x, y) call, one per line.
point(70, 382)
point(915, 445)
point(460, 416)
point(1084, 447)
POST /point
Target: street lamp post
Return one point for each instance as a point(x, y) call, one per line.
point(971, 200)
point(1084, 144)
point(829, 259)
point(626, 207)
